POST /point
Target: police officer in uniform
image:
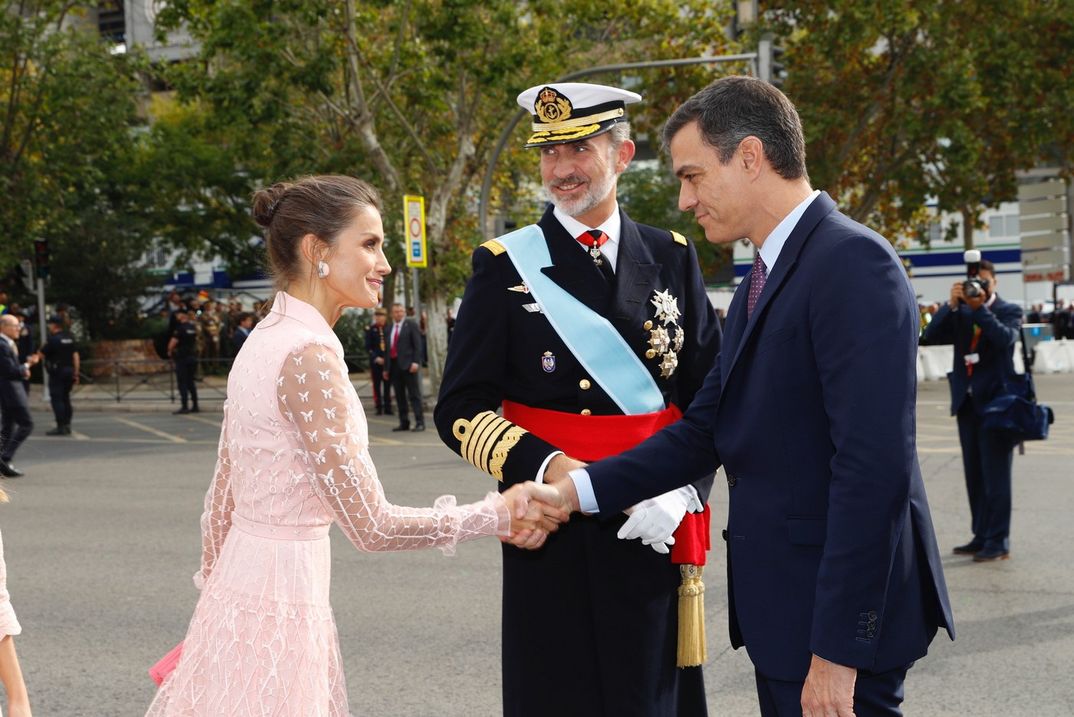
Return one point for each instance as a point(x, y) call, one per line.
point(590, 331)
point(183, 350)
point(376, 343)
point(62, 363)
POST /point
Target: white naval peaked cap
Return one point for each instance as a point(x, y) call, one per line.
point(570, 111)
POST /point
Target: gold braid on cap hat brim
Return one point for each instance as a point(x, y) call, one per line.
point(580, 133)
point(578, 121)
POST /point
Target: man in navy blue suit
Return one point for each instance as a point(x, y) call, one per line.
point(983, 329)
point(834, 579)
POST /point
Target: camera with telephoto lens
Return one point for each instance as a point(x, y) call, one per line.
point(974, 285)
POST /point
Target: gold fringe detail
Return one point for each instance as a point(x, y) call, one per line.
point(692, 648)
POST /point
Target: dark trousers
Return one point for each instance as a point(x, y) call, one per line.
point(15, 426)
point(184, 378)
point(60, 382)
point(382, 389)
point(407, 385)
point(986, 461)
point(875, 694)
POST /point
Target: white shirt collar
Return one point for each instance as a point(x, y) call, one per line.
point(612, 226)
point(773, 243)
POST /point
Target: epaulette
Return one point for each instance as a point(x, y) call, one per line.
point(679, 238)
point(496, 247)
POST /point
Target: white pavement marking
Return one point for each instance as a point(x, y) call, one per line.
point(79, 436)
point(149, 429)
point(202, 419)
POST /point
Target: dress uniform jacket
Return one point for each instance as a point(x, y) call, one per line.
point(810, 410)
point(619, 597)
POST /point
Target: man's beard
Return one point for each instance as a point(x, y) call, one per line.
point(596, 191)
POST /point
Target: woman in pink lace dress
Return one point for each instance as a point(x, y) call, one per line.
point(293, 458)
point(18, 703)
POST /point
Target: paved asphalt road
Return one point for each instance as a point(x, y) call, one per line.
point(102, 538)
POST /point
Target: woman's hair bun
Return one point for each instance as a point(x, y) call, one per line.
point(266, 201)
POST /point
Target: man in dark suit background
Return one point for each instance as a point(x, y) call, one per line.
point(983, 329)
point(402, 367)
point(15, 421)
point(834, 578)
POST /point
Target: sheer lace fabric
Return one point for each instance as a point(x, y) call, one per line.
point(293, 458)
point(9, 624)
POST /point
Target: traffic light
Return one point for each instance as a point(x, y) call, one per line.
point(770, 66)
point(41, 257)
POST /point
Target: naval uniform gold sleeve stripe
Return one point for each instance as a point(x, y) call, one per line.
point(485, 438)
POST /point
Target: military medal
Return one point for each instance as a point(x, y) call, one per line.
point(594, 239)
point(665, 342)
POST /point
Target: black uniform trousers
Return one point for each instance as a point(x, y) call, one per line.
point(184, 378)
point(875, 694)
point(407, 387)
point(16, 425)
point(382, 389)
point(594, 583)
point(987, 460)
point(61, 380)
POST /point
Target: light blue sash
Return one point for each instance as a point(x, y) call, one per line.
point(590, 337)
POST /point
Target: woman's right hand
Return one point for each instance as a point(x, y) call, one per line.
point(534, 513)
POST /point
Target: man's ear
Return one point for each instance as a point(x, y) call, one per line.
point(624, 155)
point(751, 155)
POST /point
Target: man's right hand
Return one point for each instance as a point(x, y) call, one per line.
point(956, 295)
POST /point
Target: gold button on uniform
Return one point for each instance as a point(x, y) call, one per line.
point(650, 354)
point(586, 412)
point(647, 325)
point(584, 384)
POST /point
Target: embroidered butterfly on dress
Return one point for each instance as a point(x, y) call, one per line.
point(300, 377)
point(307, 416)
point(304, 396)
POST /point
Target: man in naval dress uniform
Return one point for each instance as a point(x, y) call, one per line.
point(556, 339)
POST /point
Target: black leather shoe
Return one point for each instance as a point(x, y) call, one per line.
point(195, 410)
point(9, 471)
point(401, 427)
point(970, 548)
point(67, 429)
point(990, 554)
point(57, 431)
point(182, 410)
point(418, 427)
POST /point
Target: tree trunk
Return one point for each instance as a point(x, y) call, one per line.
point(968, 221)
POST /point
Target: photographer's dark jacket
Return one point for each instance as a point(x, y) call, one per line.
point(999, 325)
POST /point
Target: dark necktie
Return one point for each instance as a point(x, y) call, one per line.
point(595, 239)
point(757, 279)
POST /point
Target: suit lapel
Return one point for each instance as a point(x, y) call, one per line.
point(821, 207)
point(635, 272)
point(570, 269)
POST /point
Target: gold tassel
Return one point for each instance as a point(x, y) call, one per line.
point(692, 649)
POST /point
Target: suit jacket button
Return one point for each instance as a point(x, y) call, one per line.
point(731, 480)
point(584, 384)
point(586, 412)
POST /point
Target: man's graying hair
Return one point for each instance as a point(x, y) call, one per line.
point(733, 108)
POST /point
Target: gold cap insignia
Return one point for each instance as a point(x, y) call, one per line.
point(552, 106)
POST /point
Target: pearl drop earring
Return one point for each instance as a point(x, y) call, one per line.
point(322, 269)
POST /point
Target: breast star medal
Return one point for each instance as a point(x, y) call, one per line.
point(667, 306)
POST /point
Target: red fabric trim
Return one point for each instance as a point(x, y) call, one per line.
point(590, 438)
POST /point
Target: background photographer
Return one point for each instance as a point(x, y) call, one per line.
point(984, 329)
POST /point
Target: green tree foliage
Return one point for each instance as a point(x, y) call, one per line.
point(68, 108)
point(411, 94)
point(908, 100)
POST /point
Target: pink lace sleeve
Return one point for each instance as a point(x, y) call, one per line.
point(219, 502)
point(9, 624)
point(316, 397)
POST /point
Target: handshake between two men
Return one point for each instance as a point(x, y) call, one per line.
point(538, 509)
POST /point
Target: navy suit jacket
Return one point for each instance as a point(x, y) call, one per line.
point(408, 348)
point(12, 389)
point(811, 411)
point(995, 347)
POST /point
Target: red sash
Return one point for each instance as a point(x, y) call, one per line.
point(590, 438)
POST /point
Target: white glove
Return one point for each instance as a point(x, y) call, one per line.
point(654, 520)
